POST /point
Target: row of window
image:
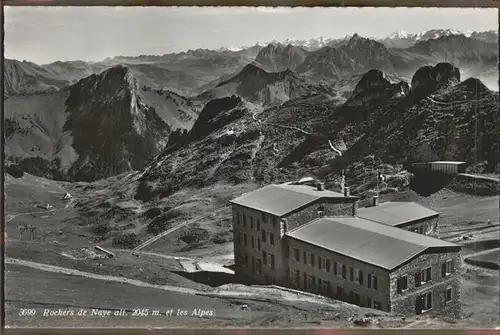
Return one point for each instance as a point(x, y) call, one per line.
point(338, 269)
point(424, 276)
point(241, 219)
point(268, 259)
point(256, 241)
point(318, 285)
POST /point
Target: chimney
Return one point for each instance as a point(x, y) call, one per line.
point(355, 208)
point(375, 200)
point(347, 192)
point(321, 186)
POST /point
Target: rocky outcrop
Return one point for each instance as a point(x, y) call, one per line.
point(374, 86)
point(428, 79)
point(215, 115)
point(113, 130)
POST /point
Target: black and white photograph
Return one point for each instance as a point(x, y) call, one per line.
point(251, 167)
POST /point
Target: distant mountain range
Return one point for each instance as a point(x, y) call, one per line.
point(398, 39)
point(90, 120)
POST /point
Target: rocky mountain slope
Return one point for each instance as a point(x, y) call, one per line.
point(267, 88)
point(103, 125)
point(277, 57)
point(26, 78)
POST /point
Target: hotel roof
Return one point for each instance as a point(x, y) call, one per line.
point(396, 213)
point(367, 241)
point(281, 199)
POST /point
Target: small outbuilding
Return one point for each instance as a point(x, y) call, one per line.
point(448, 167)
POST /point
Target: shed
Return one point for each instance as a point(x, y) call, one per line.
point(448, 167)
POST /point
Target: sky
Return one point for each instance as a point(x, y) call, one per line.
point(47, 34)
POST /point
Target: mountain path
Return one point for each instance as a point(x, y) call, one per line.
point(171, 230)
point(254, 116)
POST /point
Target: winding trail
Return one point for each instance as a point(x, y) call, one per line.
point(254, 116)
point(171, 230)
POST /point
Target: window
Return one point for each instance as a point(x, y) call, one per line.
point(326, 264)
point(258, 243)
point(287, 252)
point(263, 235)
point(244, 220)
point(447, 294)
point(296, 254)
point(370, 280)
point(402, 284)
point(344, 271)
point(264, 217)
point(426, 275)
point(326, 288)
point(358, 276)
point(305, 257)
point(271, 260)
point(368, 302)
point(258, 224)
point(242, 238)
point(335, 268)
point(238, 219)
point(356, 298)
point(447, 268)
point(320, 211)
point(340, 292)
point(258, 266)
point(253, 242)
point(244, 259)
point(311, 260)
point(251, 222)
point(320, 264)
point(375, 282)
point(308, 281)
point(274, 221)
point(297, 277)
point(377, 305)
point(351, 274)
point(264, 257)
point(271, 238)
point(426, 301)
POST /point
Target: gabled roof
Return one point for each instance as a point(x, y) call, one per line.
point(396, 213)
point(367, 241)
point(281, 199)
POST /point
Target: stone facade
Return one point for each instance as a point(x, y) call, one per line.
point(254, 224)
point(265, 255)
point(427, 227)
point(380, 295)
point(404, 303)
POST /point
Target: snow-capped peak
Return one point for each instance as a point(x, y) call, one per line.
point(399, 34)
